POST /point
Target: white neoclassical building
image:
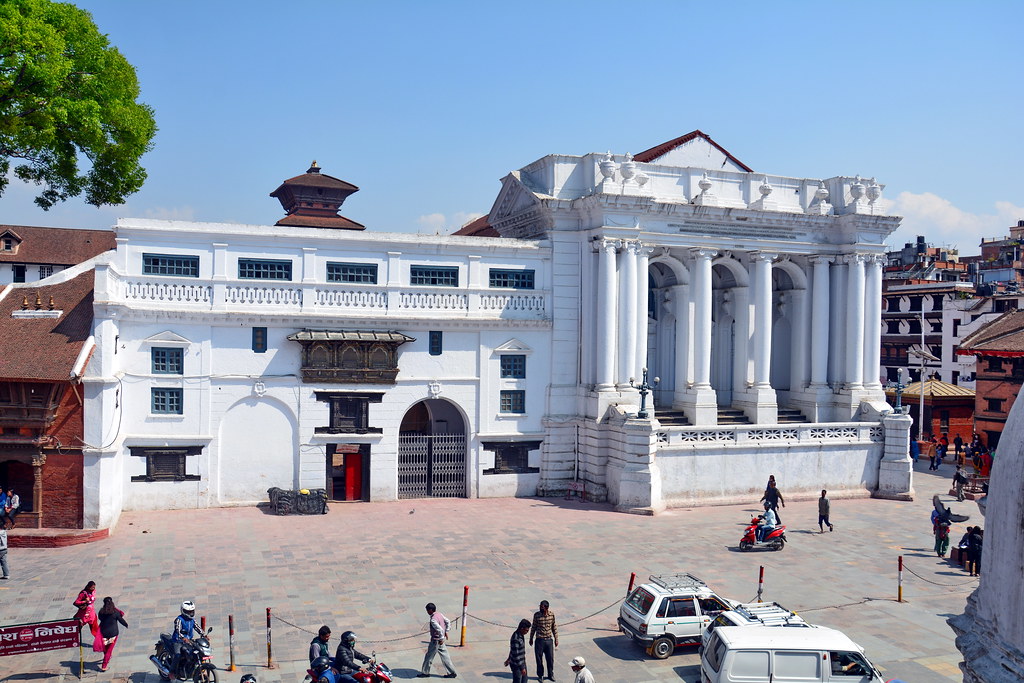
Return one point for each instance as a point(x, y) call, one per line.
point(231, 358)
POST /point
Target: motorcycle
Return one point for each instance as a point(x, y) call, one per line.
point(775, 540)
point(374, 672)
point(194, 662)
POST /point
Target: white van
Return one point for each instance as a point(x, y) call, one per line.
point(753, 614)
point(769, 654)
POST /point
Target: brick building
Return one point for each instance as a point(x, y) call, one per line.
point(45, 341)
point(999, 350)
point(948, 408)
point(29, 253)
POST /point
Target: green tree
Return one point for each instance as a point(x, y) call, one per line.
point(68, 100)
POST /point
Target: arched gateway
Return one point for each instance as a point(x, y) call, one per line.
point(432, 451)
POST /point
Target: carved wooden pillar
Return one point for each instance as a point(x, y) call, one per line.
point(38, 460)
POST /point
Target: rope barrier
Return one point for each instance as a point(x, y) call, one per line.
point(936, 583)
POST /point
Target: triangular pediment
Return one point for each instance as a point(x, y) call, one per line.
point(693, 150)
point(167, 337)
point(513, 346)
point(514, 198)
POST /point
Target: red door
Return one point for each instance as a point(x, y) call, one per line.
point(354, 476)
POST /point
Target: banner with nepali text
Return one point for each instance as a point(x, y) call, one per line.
point(48, 635)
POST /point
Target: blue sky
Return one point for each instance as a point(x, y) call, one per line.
point(426, 105)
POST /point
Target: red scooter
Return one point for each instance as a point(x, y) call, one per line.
point(375, 672)
point(774, 540)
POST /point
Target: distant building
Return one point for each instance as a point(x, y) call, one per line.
point(1000, 266)
point(30, 253)
point(45, 342)
point(999, 349)
point(948, 408)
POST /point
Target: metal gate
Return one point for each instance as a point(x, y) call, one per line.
point(432, 466)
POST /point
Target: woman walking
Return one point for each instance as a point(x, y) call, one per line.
point(86, 613)
point(109, 615)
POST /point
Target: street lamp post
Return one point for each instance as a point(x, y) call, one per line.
point(644, 389)
point(899, 386)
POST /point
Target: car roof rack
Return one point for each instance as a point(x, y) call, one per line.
point(672, 582)
point(766, 612)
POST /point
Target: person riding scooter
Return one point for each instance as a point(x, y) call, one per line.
point(345, 658)
point(321, 666)
point(185, 627)
point(767, 523)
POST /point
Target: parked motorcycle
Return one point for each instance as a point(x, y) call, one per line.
point(374, 672)
point(775, 540)
point(195, 661)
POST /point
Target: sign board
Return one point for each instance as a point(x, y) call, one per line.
point(49, 635)
point(576, 486)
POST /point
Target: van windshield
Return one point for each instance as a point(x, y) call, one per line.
point(640, 600)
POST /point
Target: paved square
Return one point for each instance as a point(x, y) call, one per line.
point(371, 567)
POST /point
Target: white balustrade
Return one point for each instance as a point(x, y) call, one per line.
point(674, 438)
point(162, 291)
point(350, 298)
point(263, 295)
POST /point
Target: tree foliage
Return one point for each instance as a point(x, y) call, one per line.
point(68, 109)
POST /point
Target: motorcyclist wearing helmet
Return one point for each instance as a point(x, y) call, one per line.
point(345, 658)
point(325, 673)
point(185, 627)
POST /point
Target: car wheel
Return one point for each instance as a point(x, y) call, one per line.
point(662, 648)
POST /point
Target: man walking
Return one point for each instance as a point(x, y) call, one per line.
point(439, 626)
point(583, 675)
point(773, 498)
point(824, 507)
point(517, 652)
point(545, 632)
point(3, 554)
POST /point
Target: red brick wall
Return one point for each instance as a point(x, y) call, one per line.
point(62, 490)
point(1003, 384)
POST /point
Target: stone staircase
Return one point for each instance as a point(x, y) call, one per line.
point(672, 418)
point(791, 416)
point(731, 416)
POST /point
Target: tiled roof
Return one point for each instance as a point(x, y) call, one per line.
point(935, 388)
point(56, 246)
point(45, 348)
point(1004, 336)
point(478, 227)
point(666, 147)
point(300, 221)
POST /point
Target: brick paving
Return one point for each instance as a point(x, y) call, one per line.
point(372, 566)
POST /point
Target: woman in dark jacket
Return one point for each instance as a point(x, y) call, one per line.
point(974, 543)
point(109, 615)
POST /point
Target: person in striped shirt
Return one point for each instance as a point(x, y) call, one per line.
point(517, 652)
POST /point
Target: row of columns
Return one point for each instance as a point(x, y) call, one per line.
point(622, 303)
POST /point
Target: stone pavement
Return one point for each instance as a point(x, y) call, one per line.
point(371, 567)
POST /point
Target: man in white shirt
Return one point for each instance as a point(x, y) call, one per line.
point(3, 553)
point(583, 675)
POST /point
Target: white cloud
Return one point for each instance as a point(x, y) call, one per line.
point(439, 223)
point(942, 223)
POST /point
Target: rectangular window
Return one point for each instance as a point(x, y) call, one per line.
point(259, 339)
point(511, 279)
point(167, 401)
point(19, 272)
point(45, 271)
point(264, 269)
point(512, 402)
point(436, 276)
point(352, 272)
point(435, 343)
point(995, 405)
point(168, 361)
point(944, 420)
point(163, 264)
point(8, 244)
point(511, 457)
point(993, 364)
point(166, 464)
point(513, 367)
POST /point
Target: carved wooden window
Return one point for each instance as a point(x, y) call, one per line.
point(166, 463)
point(349, 357)
point(380, 358)
point(320, 356)
point(349, 412)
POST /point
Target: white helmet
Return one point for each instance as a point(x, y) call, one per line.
point(188, 609)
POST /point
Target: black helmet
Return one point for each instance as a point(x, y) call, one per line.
point(349, 637)
point(321, 664)
point(248, 678)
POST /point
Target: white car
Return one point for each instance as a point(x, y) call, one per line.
point(670, 610)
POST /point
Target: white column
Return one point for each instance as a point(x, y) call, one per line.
point(643, 256)
point(607, 287)
point(799, 316)
point(873, 323)
point(681, 309)
point(628, 298)
point(702, 318)
point(855, 321)
point(819, 321)
point(762, 318)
